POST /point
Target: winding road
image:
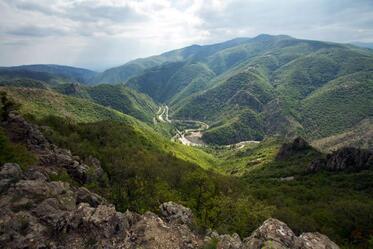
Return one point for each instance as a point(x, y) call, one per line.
point(191, 137)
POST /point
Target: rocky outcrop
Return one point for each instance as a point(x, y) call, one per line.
point(176, 213)
point(316, 241)
point(287, 150)
point(345, 159)
point(49, 154)
point(273, 234)
point(38, 213)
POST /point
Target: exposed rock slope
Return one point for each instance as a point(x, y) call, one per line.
point(349, 159)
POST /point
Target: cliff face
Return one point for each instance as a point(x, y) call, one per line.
point(297, 146)
point(39, 212)
point(344, 159)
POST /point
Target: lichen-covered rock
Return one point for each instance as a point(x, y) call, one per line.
point(153, 232)
point(272, 232)
point(316, 241)
point(229, 242)
point(277, 235)
point(176, 213)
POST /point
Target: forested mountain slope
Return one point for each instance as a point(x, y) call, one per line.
point(136, 67)
point(267, 85)
point(52, 74)
point(118, 97)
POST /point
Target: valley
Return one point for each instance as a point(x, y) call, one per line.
point(191, 136)
point(238, 132)
point(186, 136)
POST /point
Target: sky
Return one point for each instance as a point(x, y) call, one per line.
point(99, 34)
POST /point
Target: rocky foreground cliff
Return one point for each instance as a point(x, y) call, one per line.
point(39, 212)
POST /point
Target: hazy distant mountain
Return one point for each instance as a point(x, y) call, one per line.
point(53, 74)
point(363, 44)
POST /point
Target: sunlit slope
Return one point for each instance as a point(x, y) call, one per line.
point(42, 104)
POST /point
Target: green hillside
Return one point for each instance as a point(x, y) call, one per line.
point(136, 67)
point(172, 81)
point(118, 97)
point(339, 105)
point(42, 103)
point(270, 82)
point(39, 104)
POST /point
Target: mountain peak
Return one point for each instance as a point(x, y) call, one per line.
point(266, 37)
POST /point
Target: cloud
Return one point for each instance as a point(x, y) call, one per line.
point(36, 31)
point(113, 31)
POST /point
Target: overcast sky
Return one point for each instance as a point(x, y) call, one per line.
point(101, 33)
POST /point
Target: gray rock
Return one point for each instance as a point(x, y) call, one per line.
point(11, 171)
point(275, 232)
point(35, 174)
point(316, 241)
point(5, 184)
point(77, 171)
point(103, 220)
point(23, 131)
point(229, 242)
point(49, 211)
point(176, 213)
point(84, 195)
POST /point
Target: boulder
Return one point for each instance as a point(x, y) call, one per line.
point(316, 241)
point(86, 196)
point(272, 232)
point(50, 211)
point(33, 173)
point(11, 171)
point(103, 221)
point(176, 213)
point(229, 242)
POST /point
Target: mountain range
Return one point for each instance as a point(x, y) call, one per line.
point(245, 88)
point(243, 103)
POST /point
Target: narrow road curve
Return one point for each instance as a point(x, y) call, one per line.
point(186, 136)
point(191, 137)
